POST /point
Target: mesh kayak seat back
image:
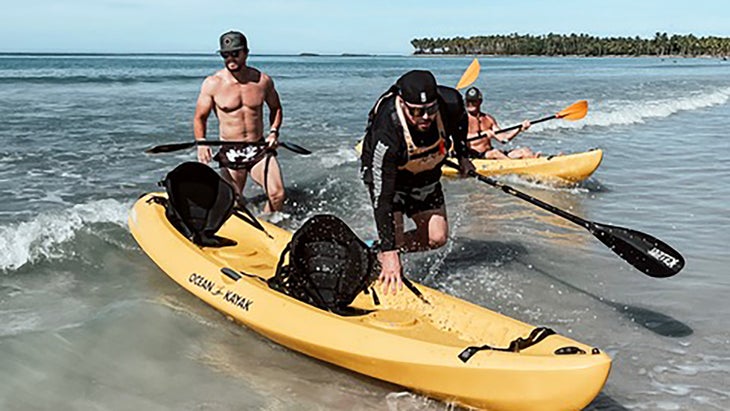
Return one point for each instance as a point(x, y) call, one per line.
point(328, 265)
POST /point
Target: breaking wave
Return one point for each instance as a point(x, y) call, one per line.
point(610, 113)
point(39, 238)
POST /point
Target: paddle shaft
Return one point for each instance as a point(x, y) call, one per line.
point(515, 127)
point(167, 148)
point(509, 190)
point(647, 254)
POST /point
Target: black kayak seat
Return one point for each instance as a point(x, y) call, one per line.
point(199, 202)
point(328, 265)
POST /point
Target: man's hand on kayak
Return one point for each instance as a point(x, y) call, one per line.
point(390, 274)
point(465, 166)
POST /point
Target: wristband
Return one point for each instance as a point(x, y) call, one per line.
point(275, 131)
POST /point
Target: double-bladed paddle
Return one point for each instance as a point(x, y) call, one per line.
point(470, 75)
point(573, 112)
point(646, 253)
point(167, 148)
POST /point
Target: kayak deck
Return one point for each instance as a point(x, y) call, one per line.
point(570, 168)
point(402, 340)
point(561, 169)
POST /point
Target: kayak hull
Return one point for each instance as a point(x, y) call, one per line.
point(563, 169)
point(568, 168)
point(402, 340)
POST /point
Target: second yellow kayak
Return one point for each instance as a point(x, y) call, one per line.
point(566, 168)
point(570, 168)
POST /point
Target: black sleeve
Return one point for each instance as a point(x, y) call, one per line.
point(379, 166)
point(457, 121)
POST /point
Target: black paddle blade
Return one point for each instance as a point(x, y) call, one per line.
point(649, 255)
point(295, 148)
point(167, 148)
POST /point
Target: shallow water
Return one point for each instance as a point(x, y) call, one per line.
point(85, 315)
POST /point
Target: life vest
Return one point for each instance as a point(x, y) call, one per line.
point(422, 158)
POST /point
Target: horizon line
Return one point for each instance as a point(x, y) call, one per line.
point(193, 54)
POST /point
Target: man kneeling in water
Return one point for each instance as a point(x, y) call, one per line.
point(409, 133)
point(483, 128)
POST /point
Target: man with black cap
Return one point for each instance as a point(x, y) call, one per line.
point(410, 130)
point(482, 129)
point(237, 95)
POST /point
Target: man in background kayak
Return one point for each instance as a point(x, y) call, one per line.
point(237, 95)
point(483, 128)
point(410, 130)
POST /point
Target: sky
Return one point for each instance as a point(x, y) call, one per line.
point(331, 26)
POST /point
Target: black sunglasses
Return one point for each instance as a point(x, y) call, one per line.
point(419, 111)
point(234, 54)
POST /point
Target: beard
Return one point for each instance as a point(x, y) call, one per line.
point(237, 69)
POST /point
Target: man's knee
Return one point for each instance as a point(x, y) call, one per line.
point(277, 196)
point(437, 240)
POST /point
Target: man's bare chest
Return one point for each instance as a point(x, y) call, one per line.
point(237, 97)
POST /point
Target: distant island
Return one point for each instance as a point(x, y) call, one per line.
point(576, 45)
point(329, 55)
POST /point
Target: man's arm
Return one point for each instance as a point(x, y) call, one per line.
point(203, 108)
point(459, 131)
point(275, 111)
point(379, 167)
point(506, 137)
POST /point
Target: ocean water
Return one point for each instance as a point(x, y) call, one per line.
point(87, 321)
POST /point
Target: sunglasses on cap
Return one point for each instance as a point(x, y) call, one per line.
point(234, 54)
point(419, 111)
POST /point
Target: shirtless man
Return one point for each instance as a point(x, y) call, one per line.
point(237, 95)
point(482, 129)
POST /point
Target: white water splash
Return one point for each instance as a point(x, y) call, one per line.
point(610, 113)
point(28, 241)
point(343, 155)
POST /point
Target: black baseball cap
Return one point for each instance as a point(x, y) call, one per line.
point(473, 94)
point(232, 41)
point(417, 87)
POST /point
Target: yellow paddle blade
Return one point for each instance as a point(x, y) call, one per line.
point(576, 111)
point(471, 74)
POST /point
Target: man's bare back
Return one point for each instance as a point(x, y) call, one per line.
point(483, 128)
point(481, 125)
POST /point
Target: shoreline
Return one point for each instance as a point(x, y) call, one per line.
point(704, 56)
point(354, 55)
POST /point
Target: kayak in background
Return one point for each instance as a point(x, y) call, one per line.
point(569, 168)
point(427, 341)
point(560, 169)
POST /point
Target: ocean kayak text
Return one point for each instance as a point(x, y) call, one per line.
point(229, 296)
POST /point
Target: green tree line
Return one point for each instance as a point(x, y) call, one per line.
point(576, 44)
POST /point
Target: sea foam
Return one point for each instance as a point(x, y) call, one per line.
point(40, 237)
point(622, 112)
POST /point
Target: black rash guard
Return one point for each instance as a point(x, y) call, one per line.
point(384, 150)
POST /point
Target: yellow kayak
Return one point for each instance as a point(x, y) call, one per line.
point(567, 168)
point(570, 168)
point(403, 340)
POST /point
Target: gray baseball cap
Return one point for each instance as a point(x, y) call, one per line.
point(232, 41)
point(473, 94)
